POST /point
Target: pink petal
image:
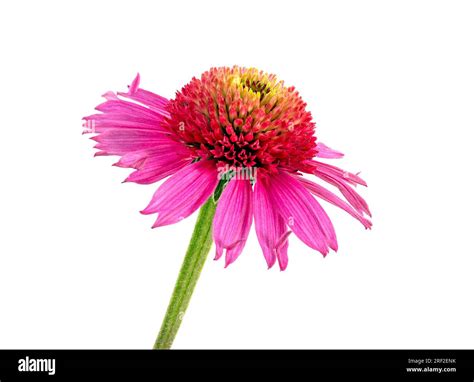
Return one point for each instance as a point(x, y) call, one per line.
point(270, 227)
point(128, 108)
point(326, 152)
point(123, 141)
point(183, 193)
point(337, 173)
point(302, 213)
point(233, 219)
point(98, 123)
point(351, 195)
point(134, 85)
point(153, 101)
point(330, 197)
point(282, 251)
point(154, 169)
point(142, 110)
point(155, 163)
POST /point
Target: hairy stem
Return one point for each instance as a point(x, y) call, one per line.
point(198, 249)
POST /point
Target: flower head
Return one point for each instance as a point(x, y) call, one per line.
point(240, 127)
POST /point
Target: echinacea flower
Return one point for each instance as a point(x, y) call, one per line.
point(226, 122)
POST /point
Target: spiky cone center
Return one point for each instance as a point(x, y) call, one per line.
point(243, 118)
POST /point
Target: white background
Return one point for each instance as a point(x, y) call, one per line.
point(390, 83)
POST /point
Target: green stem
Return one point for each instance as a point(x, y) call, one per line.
point(196, 255)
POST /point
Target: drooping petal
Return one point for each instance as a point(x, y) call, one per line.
point(156, 168)
point(233, 219)
point(157, 163)
point(282, 251)
point(330, 197)
point(336, 172)
point(183, 193)
point(303, 214)
point(326, 152)
point(343, 180)
point(271, 229)
point(351, 195)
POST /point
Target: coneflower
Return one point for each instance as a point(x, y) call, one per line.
point(236, 141)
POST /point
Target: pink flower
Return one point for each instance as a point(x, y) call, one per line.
point(227, 127)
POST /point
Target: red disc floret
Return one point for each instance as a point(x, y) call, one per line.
point(243, 117)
